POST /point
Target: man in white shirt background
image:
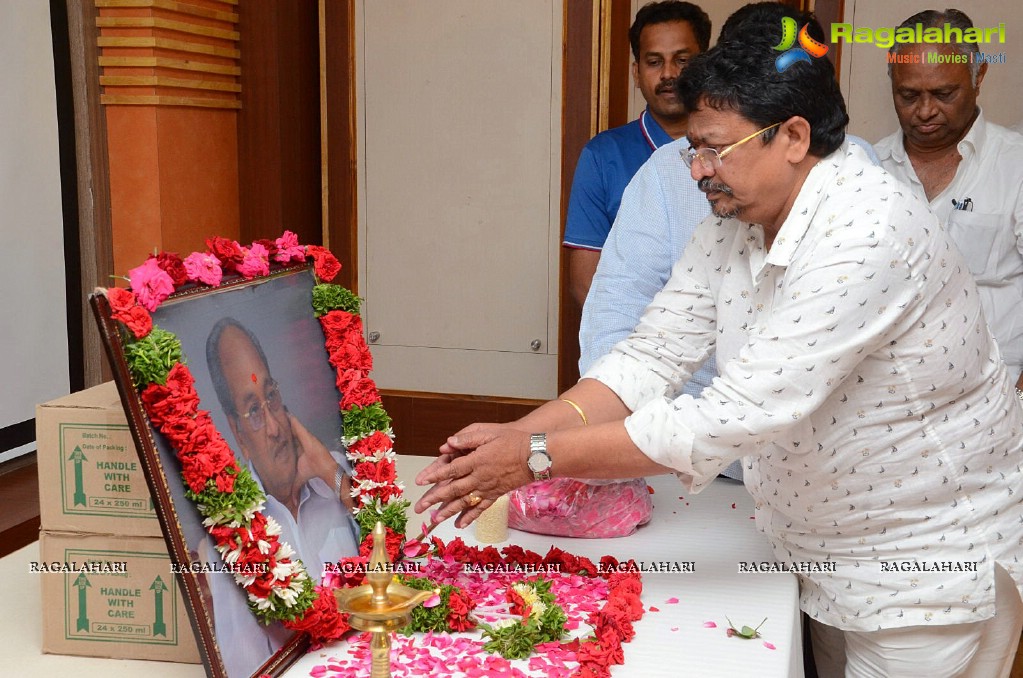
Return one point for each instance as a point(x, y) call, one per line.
point(969, 170)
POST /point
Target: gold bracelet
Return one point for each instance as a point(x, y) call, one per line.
point(575, 406)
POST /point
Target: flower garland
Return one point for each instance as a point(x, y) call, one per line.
point(226, 495)
point(231, 501)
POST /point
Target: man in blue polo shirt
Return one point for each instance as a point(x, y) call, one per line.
point(664, 36)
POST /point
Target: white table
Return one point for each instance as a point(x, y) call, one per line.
point(707, 531)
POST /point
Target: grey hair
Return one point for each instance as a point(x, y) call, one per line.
point(932, 18)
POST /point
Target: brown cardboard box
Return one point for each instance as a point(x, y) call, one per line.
point(108, 596)
point(90, 476)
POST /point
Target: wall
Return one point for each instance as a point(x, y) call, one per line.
point(33, 334)
point(459, 176)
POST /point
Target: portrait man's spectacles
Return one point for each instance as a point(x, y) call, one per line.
point(255, 417)
point(711, 158)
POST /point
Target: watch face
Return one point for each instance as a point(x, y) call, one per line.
point(539, 462)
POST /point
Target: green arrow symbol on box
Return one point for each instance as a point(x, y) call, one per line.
point(159, 626)
point(81, 584)
point(78, 457)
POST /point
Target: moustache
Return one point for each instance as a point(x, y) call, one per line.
point(665, 86)
point(707, 185)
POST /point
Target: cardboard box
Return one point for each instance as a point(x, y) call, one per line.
point(90, 476)
point(117, 597)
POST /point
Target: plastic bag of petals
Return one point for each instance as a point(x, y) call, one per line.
point(570, 508)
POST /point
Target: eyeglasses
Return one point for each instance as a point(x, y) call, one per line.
point(711, 158)
point(254, 417)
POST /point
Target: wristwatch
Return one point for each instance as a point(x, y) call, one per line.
point(539, 462)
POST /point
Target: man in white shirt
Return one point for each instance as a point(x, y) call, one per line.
point(858, 381)
point(969, 170)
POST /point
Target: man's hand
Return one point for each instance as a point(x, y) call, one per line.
point(315, 461)
point(485, 460)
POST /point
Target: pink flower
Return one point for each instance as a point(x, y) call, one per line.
point(204, 267)
point(255, 261)
point(288, 249)
point(151, 284)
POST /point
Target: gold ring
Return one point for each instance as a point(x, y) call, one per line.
point(472, 499)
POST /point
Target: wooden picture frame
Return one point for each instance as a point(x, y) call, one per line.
point(299, 384)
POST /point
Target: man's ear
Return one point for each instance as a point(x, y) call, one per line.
point(635, 74)
point(232, 421)
point(795, 134)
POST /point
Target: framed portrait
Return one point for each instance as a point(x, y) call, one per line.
point(262, 372)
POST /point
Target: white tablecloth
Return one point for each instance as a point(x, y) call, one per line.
point(671, 642)
point(715, 531)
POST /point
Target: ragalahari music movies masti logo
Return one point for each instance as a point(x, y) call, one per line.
point(808, 47)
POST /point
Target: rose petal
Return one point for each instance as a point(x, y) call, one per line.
point(769, 646)
point(709, 625)
point(432, 601)
point(653, 609)
point(672, 601)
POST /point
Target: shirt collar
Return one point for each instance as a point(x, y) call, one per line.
point(652, 131)
point(804, 209)
point(970, 145)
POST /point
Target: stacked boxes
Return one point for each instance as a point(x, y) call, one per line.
point(108, 589)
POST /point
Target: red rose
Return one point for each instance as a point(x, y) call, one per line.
point(361, 392)
point(459, 606)
point(516, 555)
point(376, 441)
point(121, 300)
point(325, 264)
point(489, 556)
point(378, 471)
point(456, 550)
point(229, 252)
point(322, 620)
point(392, 544)
point(336, 324)
point(518, 605)
point(173, 266)
point(136, 319)
point(351, 354)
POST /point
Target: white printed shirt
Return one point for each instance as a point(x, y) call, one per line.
point(860, 386)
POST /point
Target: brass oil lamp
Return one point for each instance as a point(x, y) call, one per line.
point(380, 606)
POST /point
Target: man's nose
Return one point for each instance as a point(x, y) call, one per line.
point(926, 109)
point(273, 427)
point(700, 169)
point(670, 71)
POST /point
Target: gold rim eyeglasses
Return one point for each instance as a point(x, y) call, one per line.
point(711, 158)
point(255, 416)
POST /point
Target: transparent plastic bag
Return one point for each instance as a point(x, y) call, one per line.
point(572, 508)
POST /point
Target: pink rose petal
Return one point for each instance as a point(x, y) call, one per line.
point(709, 625)
point(653, 609)
point(769, 646)
point(432, 601)
point(674, 628)
point(672, 601)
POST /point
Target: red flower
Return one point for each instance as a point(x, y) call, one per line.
point(228, 251)
point(323, 622)
point(460, 605)
point(392, 544)
point(121, 300)
point(489, 556)
point(325, 264)
point(456, 550)
point(378, 440)
point(174, 400)
point(338, 323)
point(382, 471)
point(518, 605)
point(514, 554)
point(361, 392)
point(136, 319)
point(173, 266)
point(287, 249)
